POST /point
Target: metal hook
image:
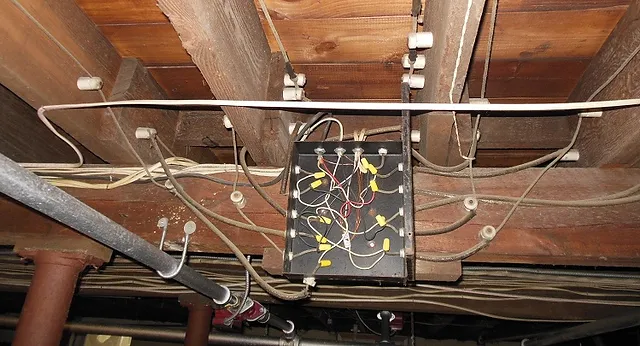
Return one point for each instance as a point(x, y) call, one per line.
point(189, 229)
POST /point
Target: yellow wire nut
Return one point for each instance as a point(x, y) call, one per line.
point(319, 175)
point(373, 169)
point(324, 247)
point(325, 263)
point(386, 244)
point(324, 219)
point(364, 164)
point(321, 239)
point(381, 220)
point(316, 184)
point(373, 185)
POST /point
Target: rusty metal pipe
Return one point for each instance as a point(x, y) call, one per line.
point(46, 306)
point(198, 326)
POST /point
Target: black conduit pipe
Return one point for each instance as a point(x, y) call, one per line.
point(27, 188)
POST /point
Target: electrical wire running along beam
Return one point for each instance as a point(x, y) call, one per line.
point(27, 188)
point(373, 106)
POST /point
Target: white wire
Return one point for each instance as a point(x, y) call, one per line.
point(455, 76)
point(373, 106)
point(315, 126)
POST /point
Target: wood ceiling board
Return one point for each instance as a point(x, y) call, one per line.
point(352, 81)
point(346, 40)
point(146, 11)
point(154, 44)
point(522, 87)
point(552, 34)
point(557, 5)
point(123, 11)
point(181, 82)
point(530, 68)
point(314, 9)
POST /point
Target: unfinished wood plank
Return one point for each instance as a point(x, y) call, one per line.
point(446, 70)
point(226, 42)
point(613, 139)
point(570, 236)
point(378, 81)
point(123, 11)
point(548, 34)
point(559, 5)
point(376, 39)
point(352, 81)
point(346, 40)
point(181, 82)
point(38, 66)
point(530, 68)
point(146, 11)
point(525, 132)
point(134, 82)
point(313, 9)
point(24, 136)
point(154, 44)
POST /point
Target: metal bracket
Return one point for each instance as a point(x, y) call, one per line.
point(189, 229)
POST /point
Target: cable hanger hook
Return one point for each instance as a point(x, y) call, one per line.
point(189, 229)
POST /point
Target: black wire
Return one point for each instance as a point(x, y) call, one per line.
point(325, 134)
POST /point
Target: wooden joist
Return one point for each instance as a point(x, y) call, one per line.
point(47, 46)
point(605, 236)
point(613, 139)
point(446, 71)
point(227, 43)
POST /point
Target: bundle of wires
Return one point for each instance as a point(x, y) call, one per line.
point(338, 198)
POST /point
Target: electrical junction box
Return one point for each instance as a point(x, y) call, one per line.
point(346, 218)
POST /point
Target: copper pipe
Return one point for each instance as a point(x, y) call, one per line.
point(199, 325)
point(46, 306)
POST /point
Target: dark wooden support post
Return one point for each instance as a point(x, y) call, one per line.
point(445, 19)
point(47, 45)
point(226, 41)
point(612, 140)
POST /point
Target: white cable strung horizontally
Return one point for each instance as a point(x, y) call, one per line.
point(535, 108)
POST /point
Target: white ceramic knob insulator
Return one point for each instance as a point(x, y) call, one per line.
point(145, 132)
point(238, 199)
point(227, 122)
point(89, 83)
point(415, 81)
point(302, 80)
point(420, 63)
point(292, 94)
point(572, 156)
point(415, 136)
point(420, 40)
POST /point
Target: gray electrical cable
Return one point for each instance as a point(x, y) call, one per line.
point(193, 205)
point(448, 228)
point(256, 186)
point(454, 257)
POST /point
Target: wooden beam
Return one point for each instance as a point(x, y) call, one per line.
point(446, 19)
point(47, 46)
point(604, 236)
point(24, 136)
point(227, 43)
point(613, 139)
point(134, 82)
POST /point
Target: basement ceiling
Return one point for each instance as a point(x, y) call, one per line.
point(351, 50)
